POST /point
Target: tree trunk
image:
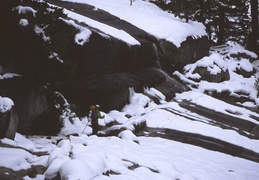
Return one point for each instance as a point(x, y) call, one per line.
point(221, 32)
point(255, 30)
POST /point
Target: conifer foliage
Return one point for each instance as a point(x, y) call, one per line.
point(224, 19)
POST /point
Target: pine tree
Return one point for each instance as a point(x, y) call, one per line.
point(224, 19)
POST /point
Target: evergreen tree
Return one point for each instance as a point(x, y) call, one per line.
point(224, 19)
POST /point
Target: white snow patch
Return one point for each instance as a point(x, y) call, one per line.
point(76, 169)
point(83, 37)
point(117, 33)
point(5, 104)
point(24, 22)
point(25, 10)
point(16, 159)
point(9, 75)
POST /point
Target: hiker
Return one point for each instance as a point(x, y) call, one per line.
point(94, 115)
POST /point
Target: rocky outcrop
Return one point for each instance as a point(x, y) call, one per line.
point(189, 52)
point(8, 124)
point(208, 76)
point(100, 71)
point(34, 109)
point(111, 91)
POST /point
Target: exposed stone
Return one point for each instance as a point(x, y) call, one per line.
point(35, 109)
point(189, 52)
point(8, 124)
point(111, 91)
point(99, 71)
point(206, 75)
point(255, 132)
point(245, 73)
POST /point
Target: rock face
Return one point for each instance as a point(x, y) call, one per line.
point(206, 75)
point(189, 52)
point(100, 71)
point(8, 124)
point(34, 108)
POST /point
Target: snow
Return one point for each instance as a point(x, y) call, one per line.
point(162, 25)
point(25, 10)
point(131, 157)
point(16, 159)
point(83, 37)
point(151, 158)
point(137, 103)
point(117, 33)
point(84, 33)
point(55, 56)
point(8, 75)
point(214, 64)
point(24, 22)
point(76, 169)
point(5, 104)
point(225, 59)
point(246, 65)
point(40, 31)
point(128, 136)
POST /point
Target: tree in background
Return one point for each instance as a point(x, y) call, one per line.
point(253, 44)
point(224, 19)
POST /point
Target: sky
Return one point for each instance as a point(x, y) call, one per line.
point(131, 157)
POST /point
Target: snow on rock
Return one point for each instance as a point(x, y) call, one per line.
point(83, 37)
point(65, 145)
point(96, 162)
point(40, 31)
point(214, 64)
point(24, 22)
point(155, 93)
point(235, 48)
point(150, 18)
point(256, 65)
point(57, 157)
point(117, 33)
point(9, 75)
point(232, 57)
point(217, 105)
point(84, 34)
point(137, 104)
point(75, 126)
point(16, 159)
point(76, 169)
point(246, 65)
point(54, 167)
point(79, 139)
point(5, 104)
point(128, 136)
point(117, 116)
point(25, 10)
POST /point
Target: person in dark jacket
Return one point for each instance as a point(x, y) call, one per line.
point(95, 115)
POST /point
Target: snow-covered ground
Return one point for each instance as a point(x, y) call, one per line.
point(127, 156)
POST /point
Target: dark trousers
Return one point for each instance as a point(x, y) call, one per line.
point(95, 127)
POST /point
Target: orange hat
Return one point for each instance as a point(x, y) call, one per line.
point(92, 107)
